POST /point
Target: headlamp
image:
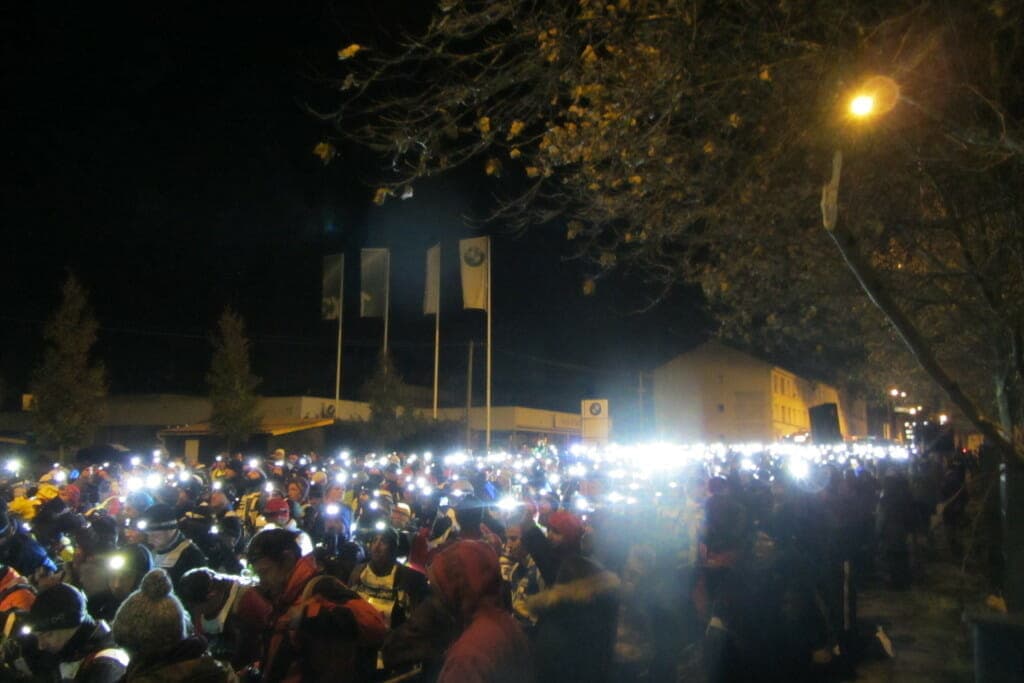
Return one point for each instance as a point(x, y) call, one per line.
point(116, 563)
point(332, 510)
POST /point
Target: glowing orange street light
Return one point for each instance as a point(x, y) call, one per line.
point(862, 106)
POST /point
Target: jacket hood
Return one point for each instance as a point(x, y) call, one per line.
point(468, 577)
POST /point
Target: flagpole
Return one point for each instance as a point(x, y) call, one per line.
point(488, 344)
point(437, 328)
point(341, 317)
point(387, 296)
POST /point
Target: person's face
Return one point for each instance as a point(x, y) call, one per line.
point(294, 492)
point(133, 535)
point(514, 543)
point(54, 641)
point(335, 495)
point(278, 519)
point(557, 539)
point(218, 501)
point(68, 499)
point(159, 538)
point(398, 519)
point(380, 552)
point(273, 575)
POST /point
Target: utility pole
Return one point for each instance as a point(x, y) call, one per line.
point(469, 396)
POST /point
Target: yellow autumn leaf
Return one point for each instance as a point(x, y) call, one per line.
point(532, 171)
point(515, 129)
point(381, 195)
point(484, 124)
point(325, 151)
point(589, 56)
point(765, 75)
point(515, 153)
point(350, 51)
point(492, 167)
point(573, 230)
point(589, 286)
point(709, 147)
point(735, 120)
point(635, 179)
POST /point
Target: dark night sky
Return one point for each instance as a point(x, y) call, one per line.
point(161, 154)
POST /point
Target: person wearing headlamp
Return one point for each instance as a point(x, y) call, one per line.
point(172, 552)
point(123, 570)
point(83, 647)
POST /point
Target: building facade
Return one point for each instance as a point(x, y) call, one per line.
point(716, 393)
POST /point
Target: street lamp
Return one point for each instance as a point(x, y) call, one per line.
point(862, 106)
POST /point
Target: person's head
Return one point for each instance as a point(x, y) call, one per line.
point(466, 575)
point(71, 495)
point(297, 491)
point(160, 524)
point(277, 511)
point(203, 591)
point(219, 502)
point(136, 503)
point(335, 493)
point(469, 513)
point(383, 548)
point(273, 554)
point(565, 530)
point(151, 620)
point(125, 569)
point(401, 515)
point(56, 615)
point(514, 542)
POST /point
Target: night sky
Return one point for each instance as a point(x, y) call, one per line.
point(161, 153)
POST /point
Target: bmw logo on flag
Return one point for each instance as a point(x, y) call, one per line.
point(474, 256)
point(595, 409)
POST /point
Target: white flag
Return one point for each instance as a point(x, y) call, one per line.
point(473, 259)
point(432, 288)
point(375, 266)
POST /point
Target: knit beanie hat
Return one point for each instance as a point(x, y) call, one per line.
point(57, 607)
point(151, 619)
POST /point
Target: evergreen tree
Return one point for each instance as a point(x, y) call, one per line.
point(232, 384)
point(392, 418)
point(67, 388)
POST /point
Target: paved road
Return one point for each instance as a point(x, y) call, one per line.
point(931, 642)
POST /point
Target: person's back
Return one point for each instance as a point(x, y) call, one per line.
point(492, 647)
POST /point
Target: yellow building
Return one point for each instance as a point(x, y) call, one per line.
point(716, 393)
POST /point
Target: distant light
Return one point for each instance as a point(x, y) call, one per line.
point(214, 529)
point(60, 476)
point(380, 526)
point(12, 466)
point(507, 504)
point(799, 468)
point(136, 461)
point(268, 487)
point(184, 476)
point(116, 563)
point(25, 630)
point(153, 481)
point(332, 510)
point(141, 526)
point(374, 505)
point(341, 477)
point(943, 419)
point(894, 392)
point(217, 486)
point(862, 105)
point(254, 463)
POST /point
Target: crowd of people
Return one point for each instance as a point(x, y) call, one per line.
point(537, 565)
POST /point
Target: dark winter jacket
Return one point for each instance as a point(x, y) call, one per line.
point(91, 655)
point(188, 661)
point(576, 616)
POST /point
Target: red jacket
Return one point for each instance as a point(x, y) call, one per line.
point(320, 630)
point(492, 648)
